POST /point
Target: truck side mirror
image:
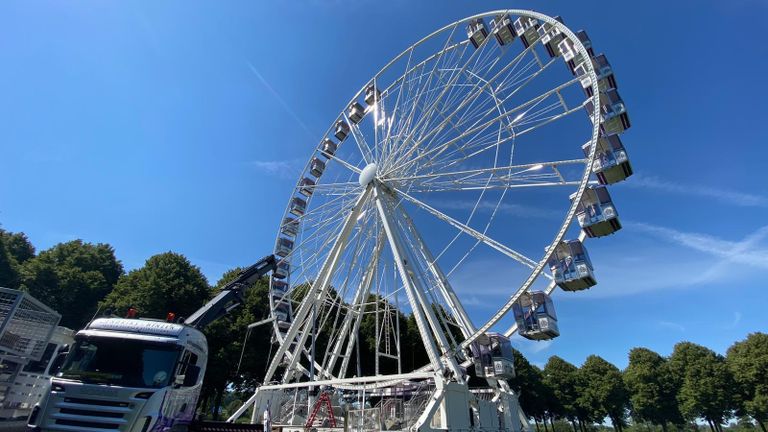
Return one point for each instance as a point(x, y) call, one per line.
point(191, 375)
point(59, 360)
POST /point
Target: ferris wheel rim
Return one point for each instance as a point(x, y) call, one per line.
point(538, 269)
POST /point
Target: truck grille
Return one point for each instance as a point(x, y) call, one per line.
point(93, 415)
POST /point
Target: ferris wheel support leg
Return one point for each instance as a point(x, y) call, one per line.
point(426, 321)
point(467, 327)
point(318, 290)
point(359, 306)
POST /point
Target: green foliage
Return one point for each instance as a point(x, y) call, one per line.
point(18, 246)
point(562, 380)
point(71, 277)
point(652, 389)
point(603, 391)
point(15, 249)
point(533, 395)
point(748, 362)
point(9, 269)
point(168, 282)
point(705, 383)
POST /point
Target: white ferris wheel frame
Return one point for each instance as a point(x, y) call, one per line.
point(441, 355)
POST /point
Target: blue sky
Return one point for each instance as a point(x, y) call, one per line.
point(182, 126)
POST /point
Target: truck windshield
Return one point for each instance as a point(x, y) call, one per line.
point(121, 362)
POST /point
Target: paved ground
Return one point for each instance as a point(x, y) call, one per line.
point(13, 426)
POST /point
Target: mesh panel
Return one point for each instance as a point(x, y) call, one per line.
point(25, 324)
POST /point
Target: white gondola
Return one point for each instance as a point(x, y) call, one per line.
point(355, 112)
point(284, 247)
point(611, 163)
point(551, 37)
point(613, 114)
point(596, 213)
point(279, 288)
point(535, 316)
point(282, 310)
point(328, 148)
point(306, 186)
point(372, 94)
point(493, 357)
point(477, 32)
point(282, 270)
point(342, 130)
point(290, 227)
point(503, 30)
point(528, 30)
point(298, 206)
point(571, 266)
point(604, 72)
point(571, 56)
point(316, 167)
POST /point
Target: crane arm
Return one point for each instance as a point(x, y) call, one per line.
point(231, 296)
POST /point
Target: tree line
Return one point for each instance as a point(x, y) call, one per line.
point(692, 386)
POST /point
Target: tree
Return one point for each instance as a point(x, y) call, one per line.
point(604, 390)
point(15, 249)
point(531, 391)
point(561, 380)
point(651, 388)
point(18, 246)
point(71, 278)
point(705, 384)
point(748, 362)
point(167, 282)
point(9, 271)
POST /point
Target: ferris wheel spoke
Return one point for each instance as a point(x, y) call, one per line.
point(331, 355)
point(523, 82)
point(409, 115)
point(517, 256)
point(346, 164)
point(530, 103)
point(362, 145)
point(472, 96)
point(441, 280)
point(511, 169)
point(318, 290)
point(427, 114)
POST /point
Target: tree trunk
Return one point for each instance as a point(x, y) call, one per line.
point(711, 427)
point(663, 426)
point(217, 404)
point(761, 424)
point(552, 422)
point(536, 422)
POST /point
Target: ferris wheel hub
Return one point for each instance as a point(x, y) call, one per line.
point(367, 174)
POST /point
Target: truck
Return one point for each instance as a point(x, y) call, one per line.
point(139, 375)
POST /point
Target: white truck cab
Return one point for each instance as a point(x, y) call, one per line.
point(124, 375)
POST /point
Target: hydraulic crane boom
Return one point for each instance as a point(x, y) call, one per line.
point(231, 296)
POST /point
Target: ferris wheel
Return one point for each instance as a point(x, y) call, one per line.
point(457, 186)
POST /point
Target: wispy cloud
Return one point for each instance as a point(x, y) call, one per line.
point(669, 325)
point(286, 169)
point(727, 196)
point(746, 251)
point(280, 100)
point(736, 320)
point(673, 260)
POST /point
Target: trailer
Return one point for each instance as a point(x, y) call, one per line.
point(30, 340)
